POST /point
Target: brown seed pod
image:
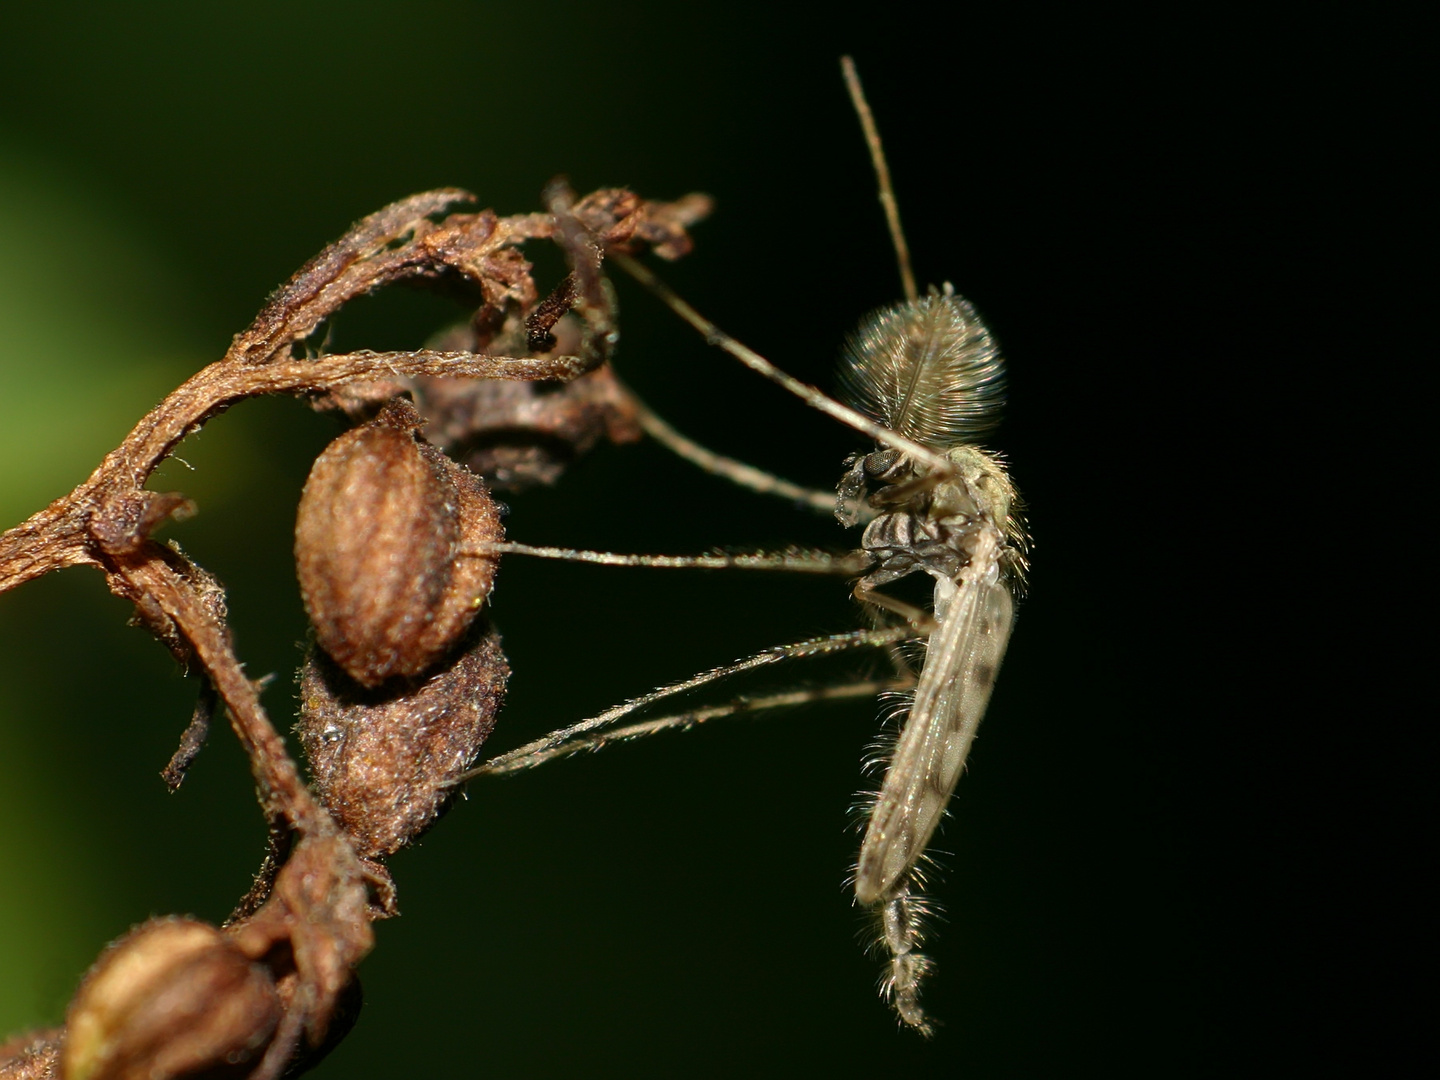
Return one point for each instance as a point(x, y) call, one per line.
point(381, 527)
point(381, 759)
point(174, 997)
point(32, 1055)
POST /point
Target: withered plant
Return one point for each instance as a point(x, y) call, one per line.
point(403, 685)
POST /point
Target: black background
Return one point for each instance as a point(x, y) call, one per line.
point(1143, 856)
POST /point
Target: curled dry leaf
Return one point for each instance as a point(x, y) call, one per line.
point(379, 537)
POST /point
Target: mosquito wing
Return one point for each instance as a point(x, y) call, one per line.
point(950, 698)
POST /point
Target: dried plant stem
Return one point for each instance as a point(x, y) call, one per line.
point(282, 792)
point(307, 918)
point(56, 536)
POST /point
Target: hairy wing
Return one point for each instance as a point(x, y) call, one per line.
point(950, 699)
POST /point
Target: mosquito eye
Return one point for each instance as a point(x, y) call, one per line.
point(881, 461)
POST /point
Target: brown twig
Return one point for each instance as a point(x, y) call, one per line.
point(306, 922)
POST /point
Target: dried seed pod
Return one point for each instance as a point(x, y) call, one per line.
point(32, 1055)
point(174, 997)
point(381, 759)
point(378, 539)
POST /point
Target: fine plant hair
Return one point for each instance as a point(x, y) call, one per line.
point(389, 715)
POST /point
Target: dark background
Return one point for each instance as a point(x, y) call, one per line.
point(1140, 852)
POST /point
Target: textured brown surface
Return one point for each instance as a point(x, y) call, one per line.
point(32, 1055)
point(518, 434)
point(380, 527)
point(380, 759)
point(408, 526)
point(174, 997)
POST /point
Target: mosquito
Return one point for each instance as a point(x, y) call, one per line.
point(925, 379)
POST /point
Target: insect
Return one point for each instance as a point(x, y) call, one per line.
point(926, 381)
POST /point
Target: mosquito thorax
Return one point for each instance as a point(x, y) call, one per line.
point(986, 484)
point(934, 529)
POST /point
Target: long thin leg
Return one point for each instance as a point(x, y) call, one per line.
point(812, 647)
point(802, 562)
point(757, 363)
point(920, 620)
point(737, 472)
point(509, 763)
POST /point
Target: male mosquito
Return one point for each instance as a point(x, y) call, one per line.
point(926, 381)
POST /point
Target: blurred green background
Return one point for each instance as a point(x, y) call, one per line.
point(674, 908)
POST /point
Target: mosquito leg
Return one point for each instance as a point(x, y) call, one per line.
point(802, 562)
point(921, 621)
point(812, 647)
point(737, 472)
point(686, 720)
point(755, 362)
point(906, 672)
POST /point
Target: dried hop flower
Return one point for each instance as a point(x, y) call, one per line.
point(380, 541)
point(174, 997)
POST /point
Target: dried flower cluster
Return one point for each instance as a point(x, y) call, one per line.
point(406, 676)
